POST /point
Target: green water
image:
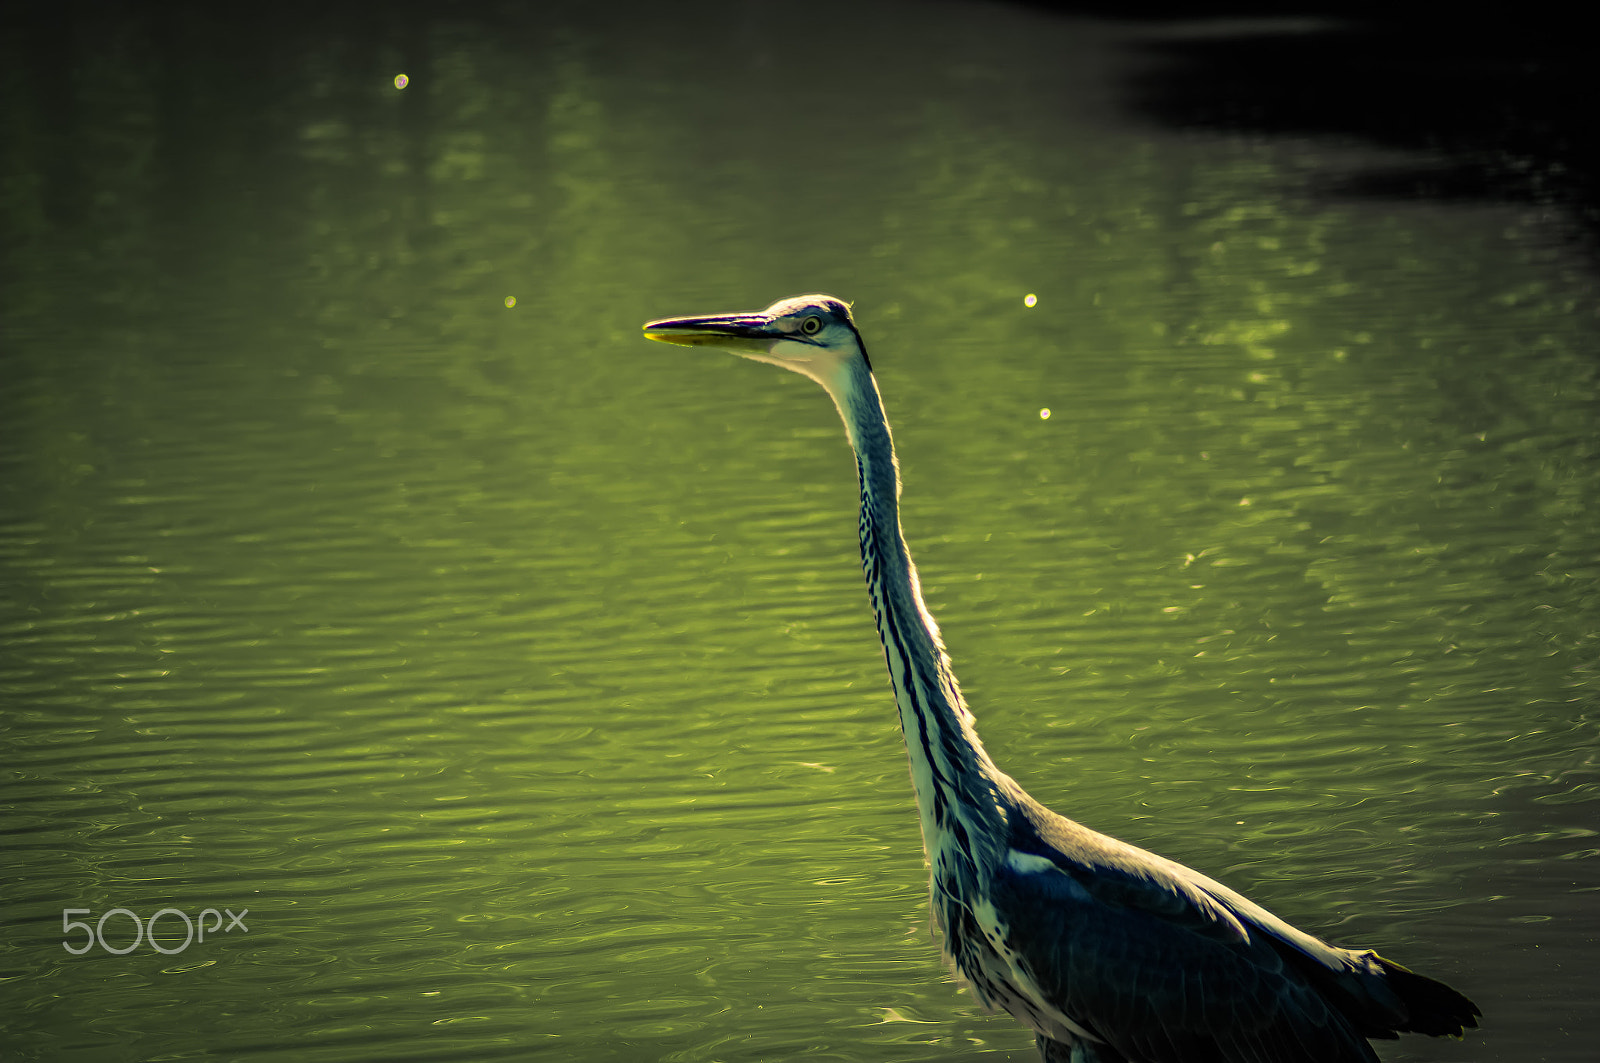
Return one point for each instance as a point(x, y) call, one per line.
point(516, 675)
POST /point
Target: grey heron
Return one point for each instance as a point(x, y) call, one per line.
point(1108, 953)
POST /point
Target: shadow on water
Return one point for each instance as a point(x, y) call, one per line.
point(1476, 109)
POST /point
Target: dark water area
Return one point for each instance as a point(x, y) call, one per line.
point(1488, 111)
point(365, 575)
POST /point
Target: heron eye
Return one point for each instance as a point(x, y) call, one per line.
point(811, 325)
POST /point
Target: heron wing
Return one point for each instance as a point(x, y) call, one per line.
point(1159, 961)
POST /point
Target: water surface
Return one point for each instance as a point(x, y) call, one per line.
point(365, 569)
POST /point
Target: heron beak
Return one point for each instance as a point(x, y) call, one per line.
point(739, 332)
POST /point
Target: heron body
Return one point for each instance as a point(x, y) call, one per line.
point(1109, 953)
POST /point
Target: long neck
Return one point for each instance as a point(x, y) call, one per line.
point(954, 778)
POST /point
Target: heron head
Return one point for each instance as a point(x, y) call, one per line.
point(810, 334)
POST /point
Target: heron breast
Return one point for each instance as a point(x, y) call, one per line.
point(982, 939)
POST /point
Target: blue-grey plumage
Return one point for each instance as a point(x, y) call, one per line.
point(1109, 953)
